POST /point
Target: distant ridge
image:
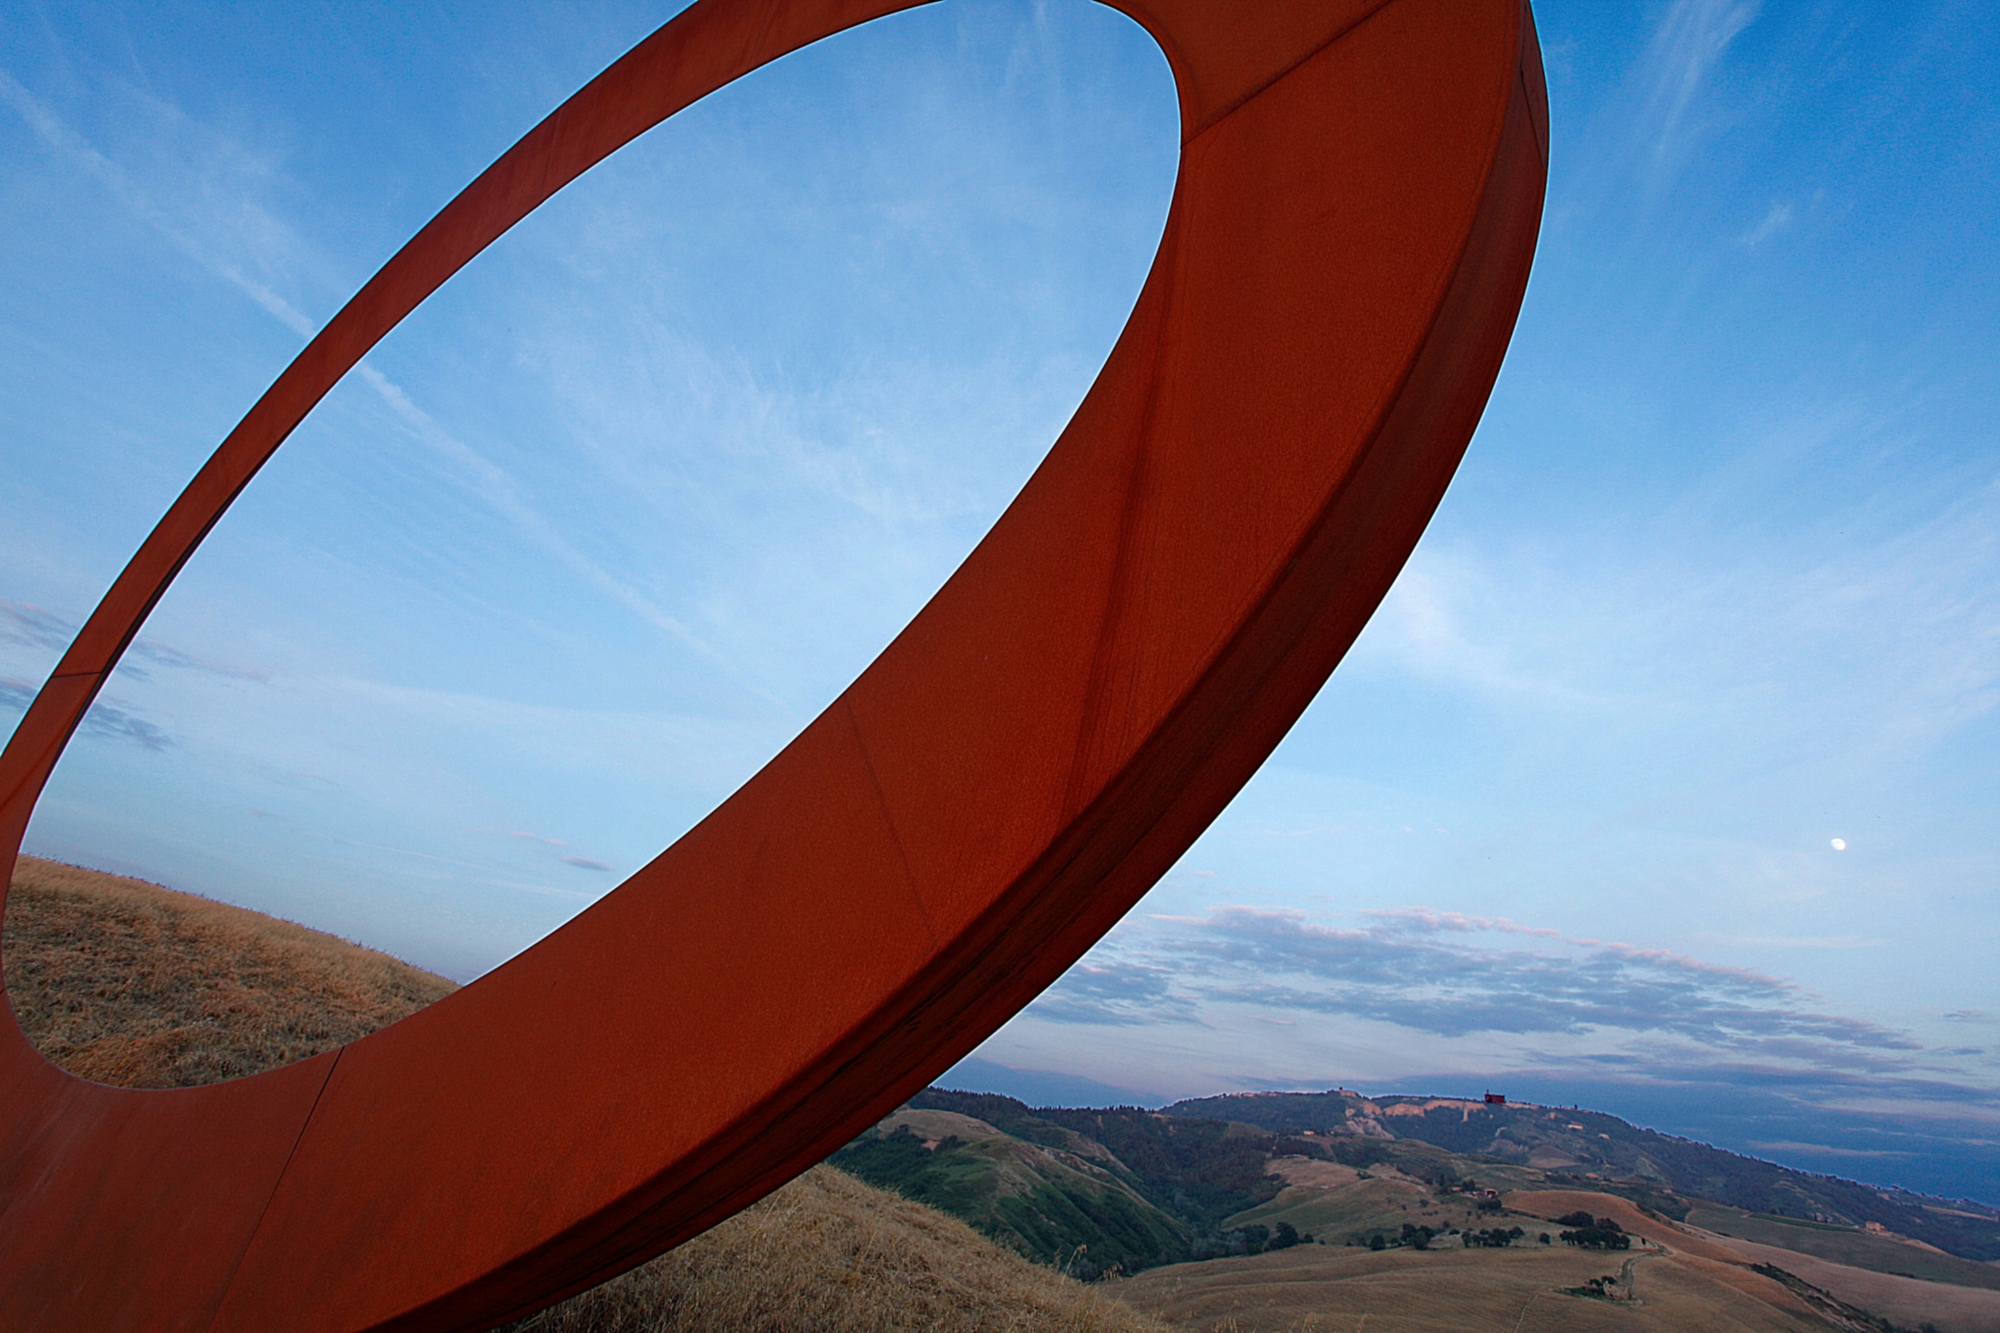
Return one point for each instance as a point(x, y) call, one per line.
point(1604, 1152)
point(1300, 1221)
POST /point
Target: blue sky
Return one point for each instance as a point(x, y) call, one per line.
point(608, 520)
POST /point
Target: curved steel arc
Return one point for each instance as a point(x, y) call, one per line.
point(1350, 237)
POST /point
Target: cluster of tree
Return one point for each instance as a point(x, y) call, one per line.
point(1593, 1233)
point(1358, 1152)
point(1598, 1288)
point(1415, 1237)
point(1493, 1238)
point(1254, 1239)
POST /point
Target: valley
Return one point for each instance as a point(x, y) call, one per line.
point(1300, 1221)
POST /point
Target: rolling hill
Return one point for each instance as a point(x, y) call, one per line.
point(1598, 1151)
point(1069, 1202)
point(1402, 1229)
point(1673, 1279)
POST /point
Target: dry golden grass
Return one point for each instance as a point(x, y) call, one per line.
point(124, 982)
point(1906, 1301)
point(1337, 1288)
point(828, 1254)
point(1678, 1279)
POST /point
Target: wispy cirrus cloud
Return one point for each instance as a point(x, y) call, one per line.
point(1680, 62)
point(1640, 145)
point(223, 228)
point(210, 215)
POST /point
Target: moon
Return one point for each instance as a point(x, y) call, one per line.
point(1840, 844)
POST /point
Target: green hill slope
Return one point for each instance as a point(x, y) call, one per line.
point(1124, 1187)
point(1069, 1203)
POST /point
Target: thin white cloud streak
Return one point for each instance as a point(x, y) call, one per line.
point(1775, 221)
point(1430, 920)
point(1638, 144)
point(484, 870)
point(1896, 635)
point(60, 137)
point(500, 490)
point(1690, 41)
point(493, 484)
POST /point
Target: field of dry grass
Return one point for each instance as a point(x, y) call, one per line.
point(129, 983)
point(1676, 1279)
point(1905, 1301)
point(828, 1254)
point(1883, 1253)
point(1327, 1288)
point(125, 982)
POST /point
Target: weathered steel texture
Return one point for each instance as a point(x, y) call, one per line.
point(1359, 194)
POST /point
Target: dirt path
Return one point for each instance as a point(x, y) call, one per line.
point(1627, 1271)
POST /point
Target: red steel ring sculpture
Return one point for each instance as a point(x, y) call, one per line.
point(1359, 194)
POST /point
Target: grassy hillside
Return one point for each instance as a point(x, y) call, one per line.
point(1409, 1235)
point(1882, 1253)
point(1465, 1291)
point(133, 984)
point(1068, 1202)
point(125, 982)
point(827, 1254)
point(1196, 1173)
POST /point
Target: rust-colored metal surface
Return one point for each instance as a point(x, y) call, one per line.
point(1358, 200)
